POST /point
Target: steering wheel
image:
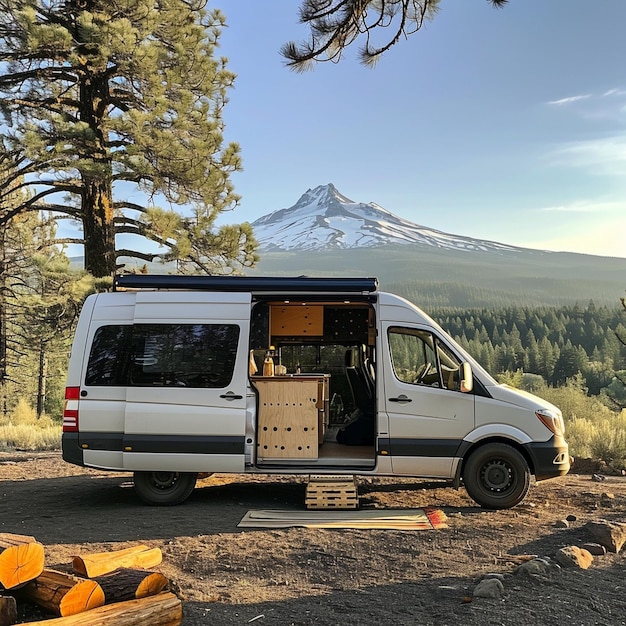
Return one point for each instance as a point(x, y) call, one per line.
point(421, 372)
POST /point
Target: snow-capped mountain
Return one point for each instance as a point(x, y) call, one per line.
point(323, 218)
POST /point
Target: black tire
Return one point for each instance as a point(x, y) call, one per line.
point(164, 488)
point(496, 476)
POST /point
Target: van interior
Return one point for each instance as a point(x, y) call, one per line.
point(313, 367)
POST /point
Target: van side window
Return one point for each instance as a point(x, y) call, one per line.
point(108, 359)
point(420, 358)
point(164, 355)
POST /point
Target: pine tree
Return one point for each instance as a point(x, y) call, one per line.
point(532, 359)
point(44, 299)
point(570, 363)
point(13, 259)
point(104, 96)
point(335, 24)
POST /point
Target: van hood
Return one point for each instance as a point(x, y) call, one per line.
point(524, 399)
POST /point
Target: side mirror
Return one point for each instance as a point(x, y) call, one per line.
point(467, 378)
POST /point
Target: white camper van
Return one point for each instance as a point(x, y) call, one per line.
point(171, 376)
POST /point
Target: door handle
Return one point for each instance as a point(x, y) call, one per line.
point(401, 398)
point(231, 396)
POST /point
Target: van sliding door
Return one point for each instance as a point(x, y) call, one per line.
point(186, 398)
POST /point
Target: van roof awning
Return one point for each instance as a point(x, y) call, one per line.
point(255, 284)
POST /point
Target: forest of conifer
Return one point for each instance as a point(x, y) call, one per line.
point(554, 343)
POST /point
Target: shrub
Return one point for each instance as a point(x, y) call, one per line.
point(23, 430)
point(25, 437)
point(591, 428)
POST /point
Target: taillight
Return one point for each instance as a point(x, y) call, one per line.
point(70, 410)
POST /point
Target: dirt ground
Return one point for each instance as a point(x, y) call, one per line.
point(227, 575)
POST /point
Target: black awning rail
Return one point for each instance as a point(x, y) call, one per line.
point(254, 284)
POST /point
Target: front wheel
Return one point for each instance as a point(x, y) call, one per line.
point(497, 476)
point(164, 488)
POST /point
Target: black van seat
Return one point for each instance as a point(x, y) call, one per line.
point(362, 430)
point(361, 392)
point(369, 372)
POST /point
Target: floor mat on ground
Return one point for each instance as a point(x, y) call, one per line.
point(405, 519)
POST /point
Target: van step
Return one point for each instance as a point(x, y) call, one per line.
point(331, 492)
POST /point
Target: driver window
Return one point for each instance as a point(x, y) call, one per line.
point(419, 358)
point(413, 356)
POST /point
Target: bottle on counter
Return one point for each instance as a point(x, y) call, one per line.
point(268, 363)
point(253, 368)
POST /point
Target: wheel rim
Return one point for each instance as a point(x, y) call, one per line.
point(497, 476)
point(163, 480)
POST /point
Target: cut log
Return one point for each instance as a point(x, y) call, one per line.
point(139, 557)
point(21, 560)
point(8, 611)
point(62, 593)
point(129, 584)
point(164, 609)
point(11, 539)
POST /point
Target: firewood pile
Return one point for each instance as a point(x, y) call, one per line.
point(104, 589)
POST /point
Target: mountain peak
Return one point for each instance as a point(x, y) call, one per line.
point(323, 219)
point(326, 197)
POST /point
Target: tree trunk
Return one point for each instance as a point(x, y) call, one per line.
point(8, 611)
point(41, 379)
point(164, 609)
point(3, 322)
point(97, 187)
point(63, 594)
point(92, 565)
point(130, 584)
point(21, 560)
point(98, 227)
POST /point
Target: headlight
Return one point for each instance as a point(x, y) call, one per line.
point(552, 420)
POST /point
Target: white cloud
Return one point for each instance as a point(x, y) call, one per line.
point(614, 92)
point(606, 106)
point(588, 206)
point(569, 100)
point(600, 156)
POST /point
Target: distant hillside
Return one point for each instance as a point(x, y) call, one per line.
point(438, 278)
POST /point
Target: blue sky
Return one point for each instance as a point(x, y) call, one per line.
point(507, 124)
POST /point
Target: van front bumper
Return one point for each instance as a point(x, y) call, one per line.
point(550, 459)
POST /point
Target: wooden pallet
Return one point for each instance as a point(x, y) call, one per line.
point(331, 492)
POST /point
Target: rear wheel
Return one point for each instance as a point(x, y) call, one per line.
point(164, 488)
point(497, 476)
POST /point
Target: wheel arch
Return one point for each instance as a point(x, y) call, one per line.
point(467, 448)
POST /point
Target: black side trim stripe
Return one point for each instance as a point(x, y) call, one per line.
point(185, 444)
point(179, 444)
point(419, 447)
point(101, 441)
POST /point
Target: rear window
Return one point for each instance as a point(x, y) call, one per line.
point(163, 355)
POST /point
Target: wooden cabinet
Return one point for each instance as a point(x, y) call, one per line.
point(300, 320)
point(292, 416)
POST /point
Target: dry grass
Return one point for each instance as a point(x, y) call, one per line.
point(23, 430)
point(601, 437)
